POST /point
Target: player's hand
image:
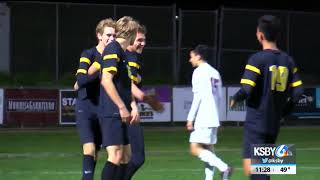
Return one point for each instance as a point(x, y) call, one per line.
point(154, 103)
point(232, 103)
point(124, 114)
point(189, 125)
point(76, 86)
point(135, 116)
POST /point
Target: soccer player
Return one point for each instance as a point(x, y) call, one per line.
point(116, 105)
point(87, 101)
point(135, 131)
point(203, 117)
point(270, 78)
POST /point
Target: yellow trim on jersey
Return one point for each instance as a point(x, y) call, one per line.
point(253, 68)
point(111, 56)
point(248, 81)
point(297, 83)
point(96, 65)
point(134, 78)
point(112, 68)
point(86, 60)
point(295, 70)
point(82, 71)
point(133, 64)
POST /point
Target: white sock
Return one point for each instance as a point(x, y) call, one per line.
point(210, 158)
point(209, 171)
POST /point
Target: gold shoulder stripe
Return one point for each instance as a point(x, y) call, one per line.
point(108, 69)
point(111, 56)
point(82, 71)
point(135, 79)
point(96, 65)
point(297, 83)
point(253, 68)
point(248, 81)
point(133, 64)
point(86, 60)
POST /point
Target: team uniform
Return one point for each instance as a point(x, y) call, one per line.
point(87, 100)
point(206, 87)
point(114, 132)
point(204, 111)
point(269, 80)
point(135, 131)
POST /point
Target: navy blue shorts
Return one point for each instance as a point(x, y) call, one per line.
point(254, 137)
point(114, 132)
point(136, 139)
point(88, 123)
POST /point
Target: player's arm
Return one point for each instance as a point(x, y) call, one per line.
point(109, 69)
point(137, 92)
point(136, 79)
point(82, 71)
point(248, 81)
point(196, 89)
point(296, 91)
point(94, 68)
point(135, 116)
point(82, 76)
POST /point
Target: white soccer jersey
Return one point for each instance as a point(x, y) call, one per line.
point(207, 94)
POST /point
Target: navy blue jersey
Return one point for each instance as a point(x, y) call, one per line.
point(269, 80)
point(88, 85)
point(135, 66)
point(114, 60)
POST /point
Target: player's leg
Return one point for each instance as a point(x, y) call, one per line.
point(252, 137)
point(136, 139)
point(112, 139)
point(84, 126)
point(126, 155)
point(198, 139)
point(209, 171)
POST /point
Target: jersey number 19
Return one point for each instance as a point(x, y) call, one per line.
point(279, 78)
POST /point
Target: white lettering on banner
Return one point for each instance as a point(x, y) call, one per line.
point(31, 105)
point(69, 101)
point(147, 114)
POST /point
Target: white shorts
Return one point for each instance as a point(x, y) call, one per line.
point(204, 135)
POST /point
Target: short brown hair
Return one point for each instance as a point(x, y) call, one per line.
point(142, 29)
point(108, 22)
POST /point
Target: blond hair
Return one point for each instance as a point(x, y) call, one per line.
point(126, 27)
point(108, 22)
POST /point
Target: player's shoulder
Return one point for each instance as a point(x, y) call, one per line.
point(88, 53)
point(131, 56)
point(262, 56)
point(114, 45)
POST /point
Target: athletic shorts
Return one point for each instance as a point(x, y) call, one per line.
point(253, 137)
point(114, 132)
point(204, 135)
point(88, 123)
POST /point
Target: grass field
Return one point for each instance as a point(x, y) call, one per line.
point(55, 154)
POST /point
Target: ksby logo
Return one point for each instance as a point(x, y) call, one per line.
point(282, 151)
point(279, 151)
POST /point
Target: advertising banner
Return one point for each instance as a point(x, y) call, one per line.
point(163, 94)
point(1, 106)
point(238, 113)
point(309, 106)
point(31, 107)
point(68, 99)
point(182, 100)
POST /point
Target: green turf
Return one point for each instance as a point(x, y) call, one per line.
point(56, 154)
